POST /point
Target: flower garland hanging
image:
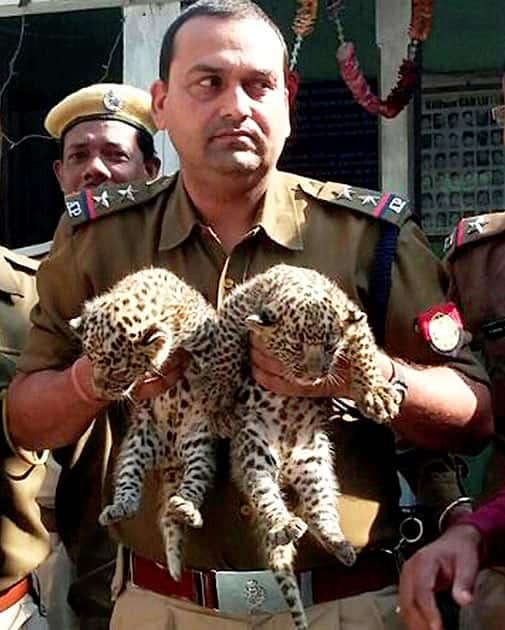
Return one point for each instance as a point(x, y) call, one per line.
point(351, 73)
point(303, 25)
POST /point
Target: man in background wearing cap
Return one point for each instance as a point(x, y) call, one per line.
point(106, 134)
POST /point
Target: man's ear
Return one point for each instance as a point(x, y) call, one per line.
point(152, 167)
point(158, 97)
point(57, 166)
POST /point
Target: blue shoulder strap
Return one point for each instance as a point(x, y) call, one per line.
point(380, 279)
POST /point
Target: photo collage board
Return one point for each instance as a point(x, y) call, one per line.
point(462, 157)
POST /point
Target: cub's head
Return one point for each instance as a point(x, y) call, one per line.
point(131, 330)
point(121, 349)
point(301, 316)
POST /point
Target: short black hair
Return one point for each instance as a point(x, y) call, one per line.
point(145, 142)
point(232, 9)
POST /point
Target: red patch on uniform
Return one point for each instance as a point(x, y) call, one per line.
point(442, 327)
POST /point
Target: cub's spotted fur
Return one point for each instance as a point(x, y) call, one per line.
point(127, 332)
point(280, 442)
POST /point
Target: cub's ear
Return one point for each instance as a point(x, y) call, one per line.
point(259, 322)
point(76, 325)
point(152, 334)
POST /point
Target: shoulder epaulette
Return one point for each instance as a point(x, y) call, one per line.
point(93, 203)
point(388, 206)
point(472, 229)
point(19, 259)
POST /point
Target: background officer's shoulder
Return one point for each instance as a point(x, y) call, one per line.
point(473, 231)
point(92, 204)
point(18, 261)
point(388, 206)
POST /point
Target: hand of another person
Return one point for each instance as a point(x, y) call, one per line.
point(451, 561)
point(173, 369)
point(273, 375)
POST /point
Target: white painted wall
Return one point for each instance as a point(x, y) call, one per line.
point(144, 28)
point(392, 19)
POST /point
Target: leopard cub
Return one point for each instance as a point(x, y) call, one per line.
point(279, 442)
point(130, 332)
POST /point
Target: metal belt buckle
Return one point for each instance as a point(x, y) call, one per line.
point(255, 592)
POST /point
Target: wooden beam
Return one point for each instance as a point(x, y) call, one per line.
point(10, 8)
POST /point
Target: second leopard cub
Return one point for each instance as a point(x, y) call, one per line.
point(279, 442)
point(128, 332)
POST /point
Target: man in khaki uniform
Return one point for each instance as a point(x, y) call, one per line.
point(475, 258)
point(106, 133)
point(24, 542)
point(226, 216)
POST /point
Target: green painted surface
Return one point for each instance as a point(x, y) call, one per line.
point(466, 36)
point(317, 59)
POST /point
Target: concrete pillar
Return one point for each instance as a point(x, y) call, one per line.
point(144, 28)
point(395, 138)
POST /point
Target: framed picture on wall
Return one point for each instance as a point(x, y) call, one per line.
point(462, 166)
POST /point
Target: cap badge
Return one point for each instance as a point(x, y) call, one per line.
point(112, 102)
point(442, 327)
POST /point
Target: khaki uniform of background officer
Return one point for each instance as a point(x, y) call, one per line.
point(24, 542)
point(229, 215)
point(477, 271)
point(106, 134)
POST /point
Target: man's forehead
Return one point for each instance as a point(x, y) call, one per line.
point(110, 130)
point(213, 37)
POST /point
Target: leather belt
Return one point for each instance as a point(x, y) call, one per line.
point(14, 594)
point(247, 592)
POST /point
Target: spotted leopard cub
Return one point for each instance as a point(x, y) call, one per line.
point(131, 331)
point(280, 442)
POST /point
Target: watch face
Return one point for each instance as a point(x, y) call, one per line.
point(441, 326)
point(444, 333)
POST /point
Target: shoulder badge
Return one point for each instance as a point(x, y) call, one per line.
point(472, 229)
point(92, 203)
point(385, 206)
point(442, 327)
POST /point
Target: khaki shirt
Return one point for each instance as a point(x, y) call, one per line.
point(24, 542)
point(300, 222)
point(476, 263)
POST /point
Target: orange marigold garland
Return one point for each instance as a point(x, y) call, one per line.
point(351, 73)
point(303, 25)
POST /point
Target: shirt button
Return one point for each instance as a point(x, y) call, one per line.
point(245, 510)
point(228, 283)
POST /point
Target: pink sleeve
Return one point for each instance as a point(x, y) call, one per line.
point(489, 519)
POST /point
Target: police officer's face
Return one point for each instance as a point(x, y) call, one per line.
point(226, 103)
point(96, 151)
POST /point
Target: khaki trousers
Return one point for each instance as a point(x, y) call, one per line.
point(487, 610)
point(138, 608)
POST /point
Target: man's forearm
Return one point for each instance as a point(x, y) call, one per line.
point(46, 411)
point(444, 410)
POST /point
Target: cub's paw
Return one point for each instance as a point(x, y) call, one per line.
point(118, 512)
point(184, 511)
point(381, 403)
point(285, 533)
point(345, 552)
